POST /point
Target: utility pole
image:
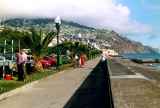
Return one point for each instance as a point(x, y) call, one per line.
point(19, 45)
point(4, 58)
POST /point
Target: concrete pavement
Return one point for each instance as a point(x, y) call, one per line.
point(132, 86)
point(51, 92)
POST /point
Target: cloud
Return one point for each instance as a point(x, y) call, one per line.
point(96, 13)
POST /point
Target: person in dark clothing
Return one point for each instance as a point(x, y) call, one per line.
point(19, 61)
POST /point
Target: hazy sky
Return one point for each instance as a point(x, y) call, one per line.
point(137, 19)
point(146, 12)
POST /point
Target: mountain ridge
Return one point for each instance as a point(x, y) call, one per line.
point(119, 43)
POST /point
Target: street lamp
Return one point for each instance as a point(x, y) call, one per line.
point(58, 22)
point(79, 36)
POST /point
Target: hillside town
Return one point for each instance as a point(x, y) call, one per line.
point(93, 42)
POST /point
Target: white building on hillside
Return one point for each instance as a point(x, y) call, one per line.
point(110, 52)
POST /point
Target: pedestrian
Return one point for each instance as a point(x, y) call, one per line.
point(24, 56)
point(104, 56)
point(76, 61)
point(19, 62)
point(81, 60)
point(24, 61)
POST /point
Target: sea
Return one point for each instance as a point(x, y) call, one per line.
point(150, 56)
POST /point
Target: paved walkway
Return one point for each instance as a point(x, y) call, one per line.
point(52, 92)
point(137, 76)
point(131, 88)
point(119, 71)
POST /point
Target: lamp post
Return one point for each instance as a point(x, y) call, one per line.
point(80, 37)
point(58, 22)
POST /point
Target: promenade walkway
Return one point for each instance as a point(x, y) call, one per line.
point(131, 87)
point(72, 88)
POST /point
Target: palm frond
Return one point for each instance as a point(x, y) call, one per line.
point(49, 37)
point(36, 36)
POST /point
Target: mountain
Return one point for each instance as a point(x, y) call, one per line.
point(124, 45)
point(117, 42)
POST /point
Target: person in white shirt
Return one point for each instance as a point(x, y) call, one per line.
point(24, 56)
point(24, 60)
point(76, 60)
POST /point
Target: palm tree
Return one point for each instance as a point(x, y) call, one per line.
point(38, 42)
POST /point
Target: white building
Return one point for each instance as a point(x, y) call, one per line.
point(109, 52)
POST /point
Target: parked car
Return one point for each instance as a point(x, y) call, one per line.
point(48, 61)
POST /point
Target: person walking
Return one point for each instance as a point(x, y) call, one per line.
point(81, 60)
point(76, 61)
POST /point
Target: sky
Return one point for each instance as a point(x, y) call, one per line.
point(136, 19)
point(146, 12)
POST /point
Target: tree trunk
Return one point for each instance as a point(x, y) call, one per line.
point(38, 66)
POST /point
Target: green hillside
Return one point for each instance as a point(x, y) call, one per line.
point(119, 43)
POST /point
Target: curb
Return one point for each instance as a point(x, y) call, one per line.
point(17, 90)
point(22, 88)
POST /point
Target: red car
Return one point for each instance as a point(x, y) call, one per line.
point(48, 61)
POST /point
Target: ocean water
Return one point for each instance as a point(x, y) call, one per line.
point(144, 56)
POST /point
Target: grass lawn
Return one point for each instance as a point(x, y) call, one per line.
point(6, 86)
point(9, 85)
